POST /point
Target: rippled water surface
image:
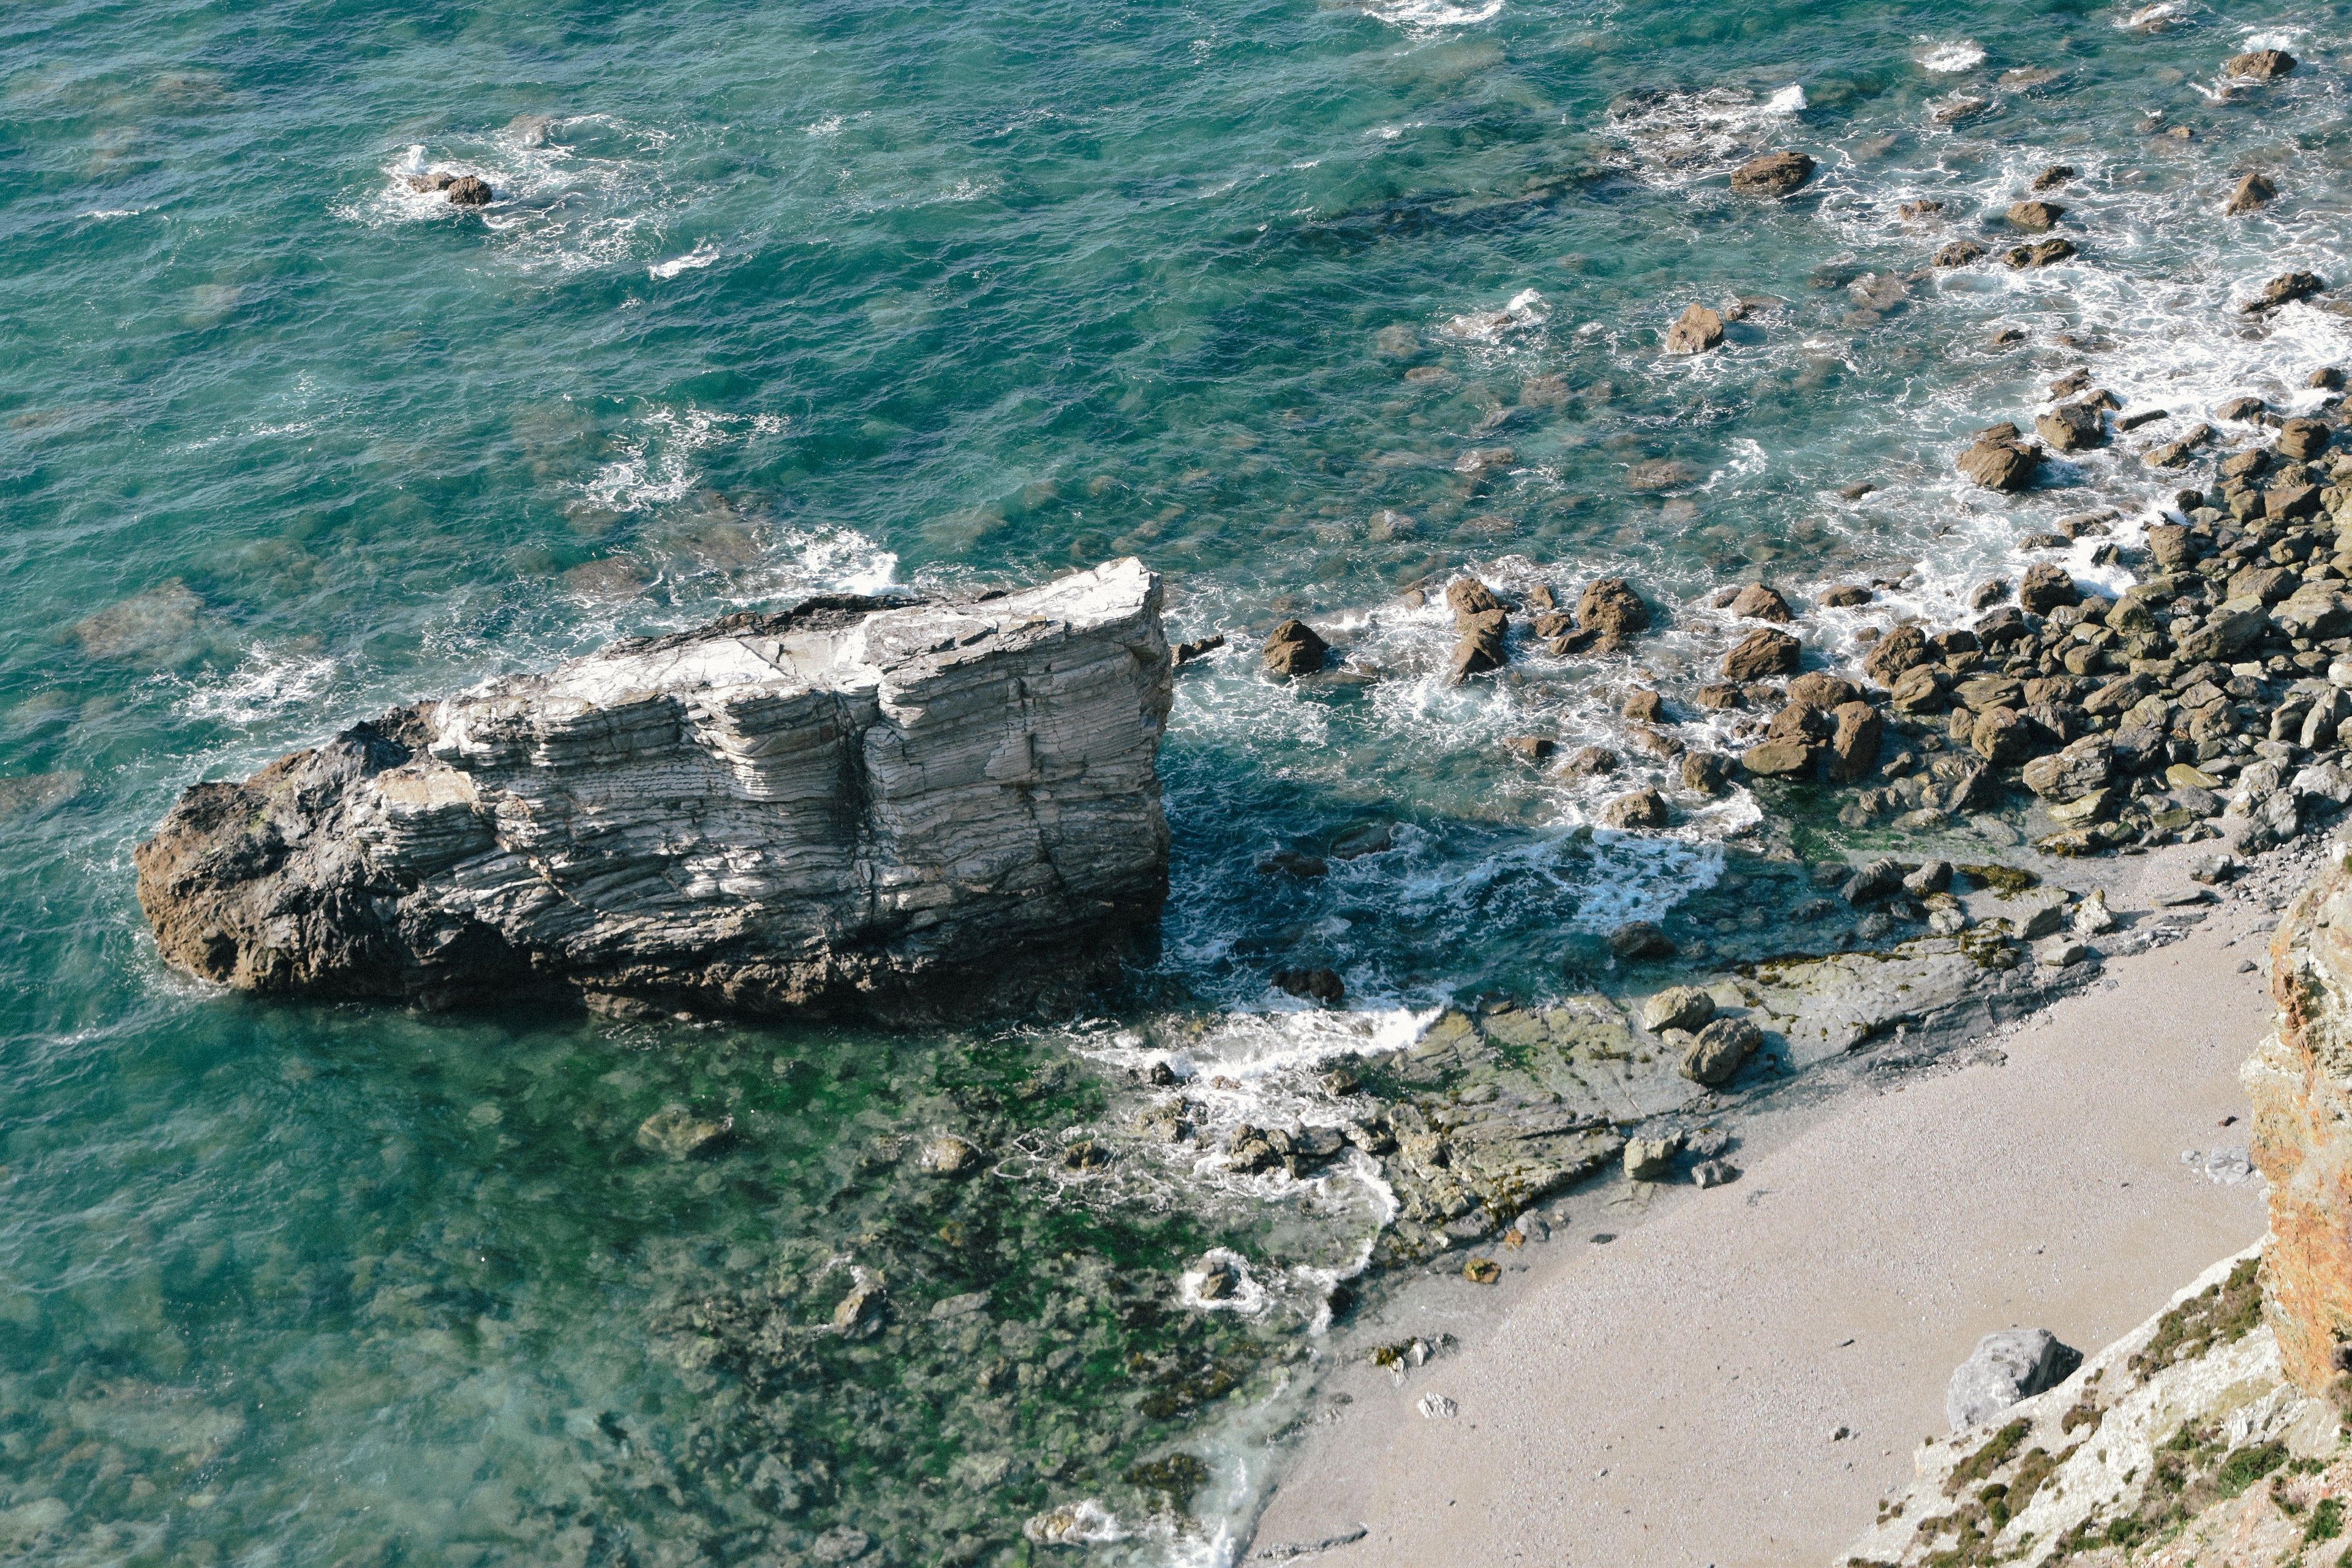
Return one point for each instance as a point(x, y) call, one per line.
point(1305, 304)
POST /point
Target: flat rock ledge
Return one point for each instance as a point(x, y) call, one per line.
point(899, 810)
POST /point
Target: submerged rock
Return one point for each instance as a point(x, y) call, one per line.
point(853, 807)
point(676, 1132)
point(1773, 175)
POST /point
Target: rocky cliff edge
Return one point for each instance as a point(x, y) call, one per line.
point(907, 811)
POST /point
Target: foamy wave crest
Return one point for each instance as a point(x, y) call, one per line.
point(1526, 308)
point(1431, 16)
point(265, 682)
point(701, 256)
point(569, 194)
point(1676, 132)
point(1949, 58)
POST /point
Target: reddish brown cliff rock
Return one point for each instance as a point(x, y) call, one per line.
point(2300, 1080)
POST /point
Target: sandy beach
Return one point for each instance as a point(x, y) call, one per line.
point(1742, 1375)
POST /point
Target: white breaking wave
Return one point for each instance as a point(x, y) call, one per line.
point(1429, 15)
point(701, 256)
point(1949, 58)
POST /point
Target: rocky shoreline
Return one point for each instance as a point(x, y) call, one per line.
point(2212, 690)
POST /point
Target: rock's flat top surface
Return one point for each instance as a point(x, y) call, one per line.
point(894, 810)
point(1703, 1359)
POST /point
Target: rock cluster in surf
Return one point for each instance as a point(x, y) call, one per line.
point(897, 809)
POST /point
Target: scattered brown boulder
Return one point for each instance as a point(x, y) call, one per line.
point(1845, 595)
point(1719, 694)
point(2073, 427)
point(439, 180)
point(2259, 65)
point(1773, 175)
point(2044, 253)
point(1957, 253)
point(1988, 593)
point(1714, 1058)
point(1786, 758)
point(2304, 438)
point(2046, 587)
point(1588, 762)
point(2285, 290)
point(1920, 690)
point(1706, 772)
point(1759, 603)
point(1293, 650)
point(469, 191)
point(1534, 748)
point(1762, 652)
point(1317, 985)
point(2055, 175)
point(1640, 809)
point(1480, 646)
point(1819, 688)
point(2252, 191)
point(1646, 707)
point(1637, 941)
point(1854, 746)
point(1897, 651)
point(2001, 735)
point(1467, 596)
point(2004, 463)
point(2036, 217)
point(1696, 331)
point(1611, 612)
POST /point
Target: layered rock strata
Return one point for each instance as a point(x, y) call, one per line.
point(2300, 1083)
point(902, 810)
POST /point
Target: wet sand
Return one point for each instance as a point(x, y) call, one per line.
point(1675, 1397)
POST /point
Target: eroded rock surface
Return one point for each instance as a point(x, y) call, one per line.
point(2300, 1082)
point(852, 806)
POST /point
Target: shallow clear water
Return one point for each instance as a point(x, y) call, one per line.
point(778, 297)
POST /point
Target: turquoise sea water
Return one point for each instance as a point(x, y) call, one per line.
point(777, 298)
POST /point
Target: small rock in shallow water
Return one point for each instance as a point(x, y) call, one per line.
point(949, 1156)
point(2035, 217)
point(1293, 649)
point(1637, 941)
point(1644, 808)
point(2259, 65)
point(1774, 174)
point(1696, 331)
point(469, 191)
point(2251, 191)
point(676, 1132)
point(840, 1544)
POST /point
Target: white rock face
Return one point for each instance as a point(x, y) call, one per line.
point(906, 811)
